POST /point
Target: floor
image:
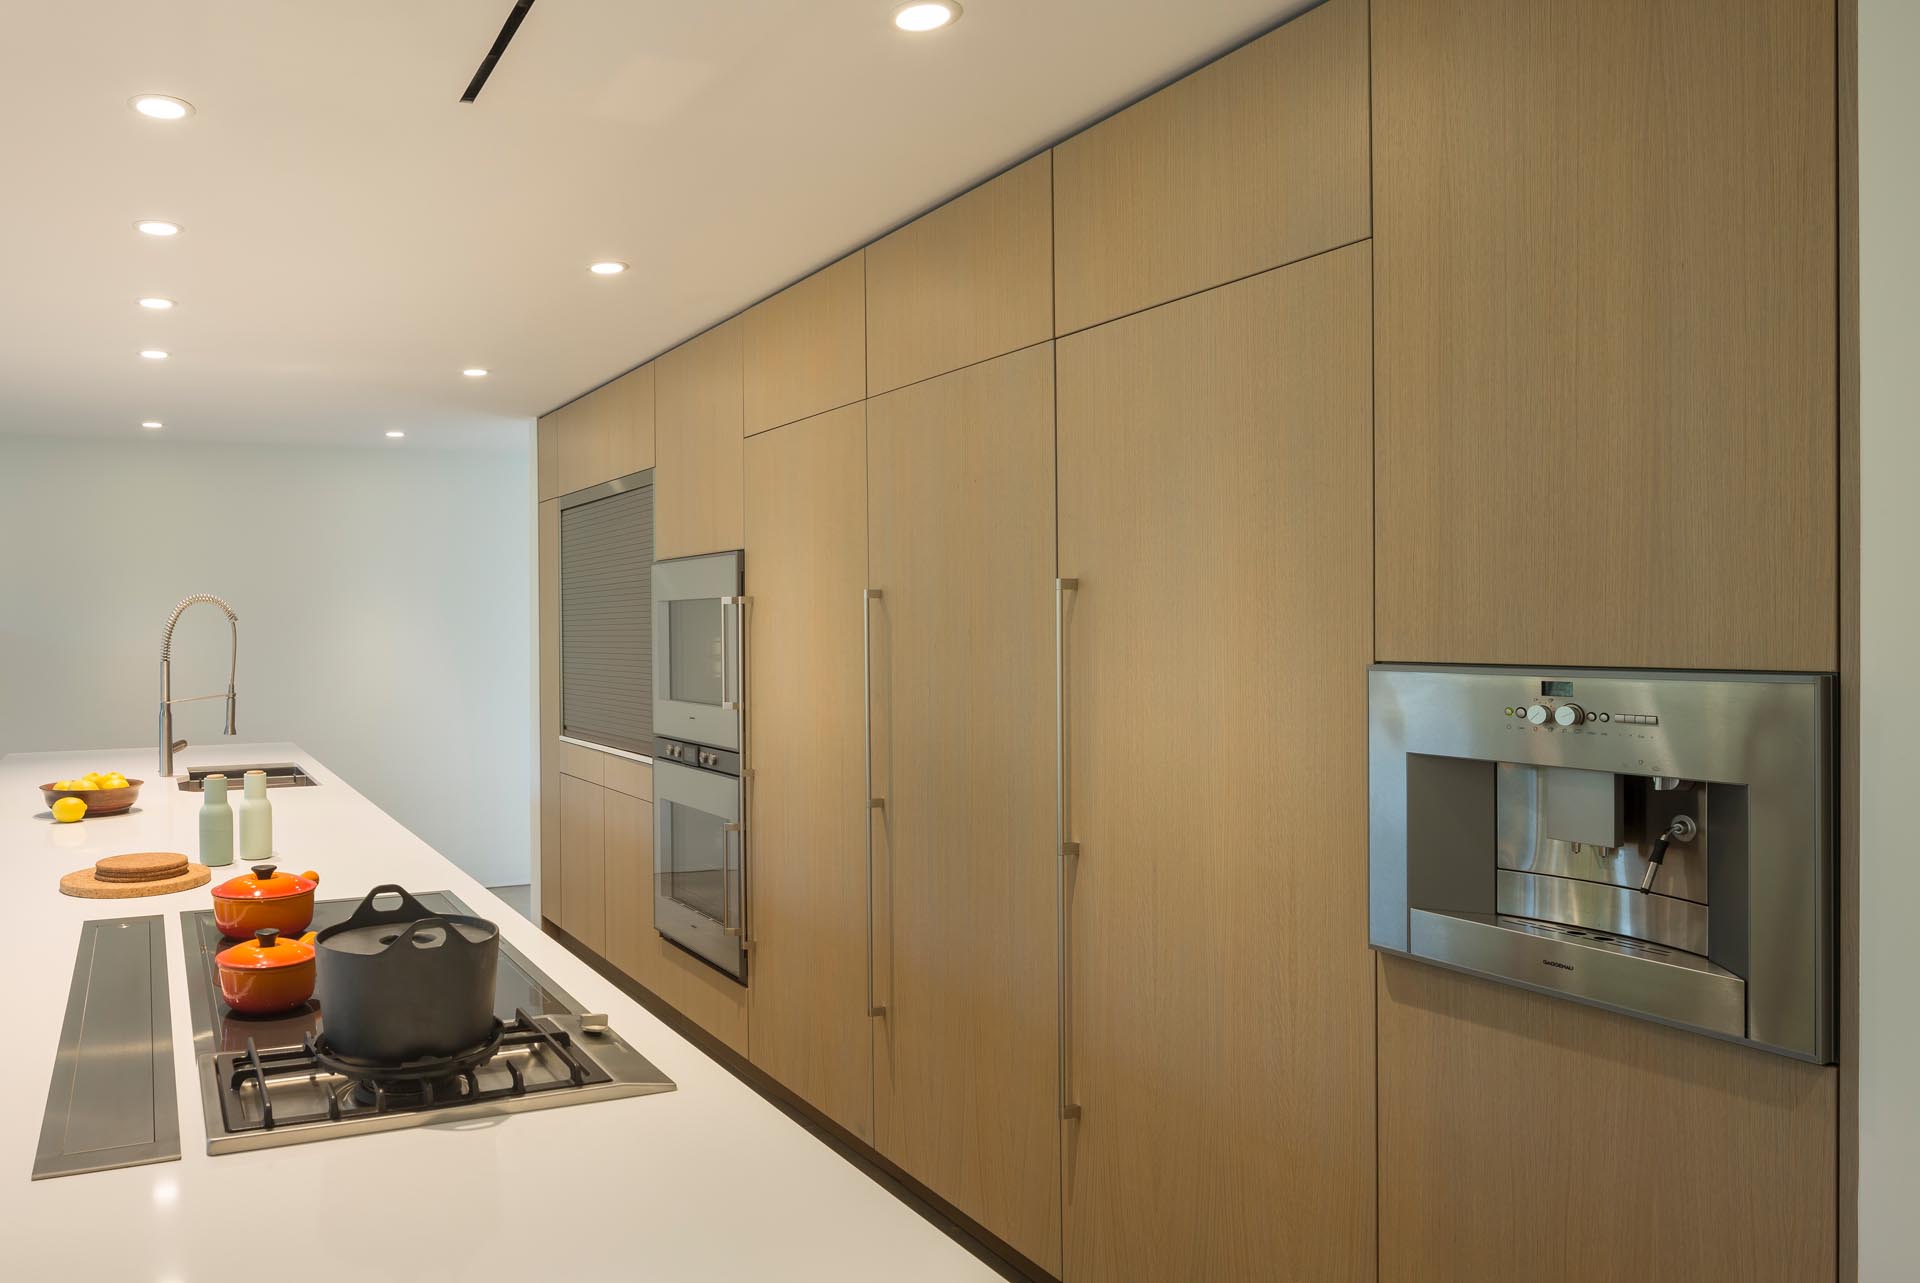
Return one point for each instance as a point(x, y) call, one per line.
point(519, 897)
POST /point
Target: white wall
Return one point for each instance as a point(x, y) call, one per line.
point(1889, 638)
point(385, 620)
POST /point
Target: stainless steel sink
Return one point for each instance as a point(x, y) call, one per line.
point(280, 775)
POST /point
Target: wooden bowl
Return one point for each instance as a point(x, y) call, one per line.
point(99, 801)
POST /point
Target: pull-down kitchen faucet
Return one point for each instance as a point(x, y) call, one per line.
point(168, 744)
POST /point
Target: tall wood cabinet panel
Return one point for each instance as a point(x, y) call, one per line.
point(583, 862)
point(586, 440)
point(631, 433)
point(960, 544)
point(547, 549)
point(806, 347)
point(971, 280)
point(806, 564)
point(629, 882)
point(1606, 381)
point(1526, 1138)
point(546, 457)
point(1252, 161)
point(1215, 463)
point(698, 420)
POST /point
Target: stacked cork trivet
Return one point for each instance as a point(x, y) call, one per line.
point(122, 877)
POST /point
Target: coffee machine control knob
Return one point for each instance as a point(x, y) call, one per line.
point(1539, 714)
point(1569, 715)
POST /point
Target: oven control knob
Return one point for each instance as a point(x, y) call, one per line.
point(1569, 715)
point(1539, 714)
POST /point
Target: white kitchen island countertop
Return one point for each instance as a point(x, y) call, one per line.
point(706, 1184)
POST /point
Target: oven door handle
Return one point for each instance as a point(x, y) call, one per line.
point(730, 693)
point(727, 924)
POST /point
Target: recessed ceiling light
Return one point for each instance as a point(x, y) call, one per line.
point(155, 227)
point(926, 16)
point(161, 106)
point(395, 432)
point(475, 373)
point(150, 424)
point(154, 354)
point(156, 304)
point(608, 267)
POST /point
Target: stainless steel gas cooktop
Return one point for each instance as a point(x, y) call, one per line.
point(264, 1083)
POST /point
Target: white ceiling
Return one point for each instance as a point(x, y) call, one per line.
point(355, 235)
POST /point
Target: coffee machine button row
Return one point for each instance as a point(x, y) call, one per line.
point(1539, 714)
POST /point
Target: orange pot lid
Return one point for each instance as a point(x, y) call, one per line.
point(266, 951)
point(264, 883)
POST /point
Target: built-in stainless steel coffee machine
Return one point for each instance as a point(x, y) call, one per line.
point(1657, 843)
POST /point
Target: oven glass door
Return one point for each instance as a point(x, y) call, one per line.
point(700, 853)
point(696, 649)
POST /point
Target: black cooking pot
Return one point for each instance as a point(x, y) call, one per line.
point(406, 983)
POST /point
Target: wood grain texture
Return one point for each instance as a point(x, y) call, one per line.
point(546, 449)
point(547, 858)
point(624, 775)
point(697, 430)
point(1215, 464)
point(960, 503)
point(1605, 282)
point(1847, 41)
point(973, 279)
point(1252, 161)
point(583, 862)
point(631, 427)
point(806, 564)
point(1525, 1138)
point(583, 763)
point(629, 882)
point(805, 349)
point(586, 439)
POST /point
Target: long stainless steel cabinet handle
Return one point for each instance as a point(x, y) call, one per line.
point(867, 597)
point(1067, 849)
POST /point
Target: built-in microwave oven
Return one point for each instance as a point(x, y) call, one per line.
point(698, 633)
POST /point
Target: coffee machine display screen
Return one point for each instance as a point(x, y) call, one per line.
point(1561, 689)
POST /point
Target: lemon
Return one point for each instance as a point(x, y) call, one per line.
point(69, 809)
point(114, 781)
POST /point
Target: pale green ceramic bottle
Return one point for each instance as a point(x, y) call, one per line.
point(216, 824)
point(256, 819)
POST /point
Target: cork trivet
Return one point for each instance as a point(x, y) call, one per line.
point(141, 866)
point(88, 886)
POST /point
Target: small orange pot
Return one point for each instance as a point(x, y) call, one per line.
point(264, 898)
point(266, 975)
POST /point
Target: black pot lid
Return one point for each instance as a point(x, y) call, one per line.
point(381, 936)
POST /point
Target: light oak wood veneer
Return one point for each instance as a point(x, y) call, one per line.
point(1525, 1138)
point(548, 630)
point(546, 442)
point(960, 542)
point(1250, 162)
point(806, 347)
point(806, 564)
point(1214, 464)
point(697, 432)
point(971, 280)
point(583, 856)
point(1605, 280)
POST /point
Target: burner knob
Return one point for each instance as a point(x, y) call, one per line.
point(1569, 715)
point(594, 1023)
point(1539, 714)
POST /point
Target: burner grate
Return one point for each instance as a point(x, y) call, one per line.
point(360, 1090)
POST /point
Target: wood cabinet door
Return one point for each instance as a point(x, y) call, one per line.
point(583, 862)
point(960, 544)
point(546, 445)
point(629, 882)
point(548, 551)
point(697, 458)
point(1250, 162)
point(1606, 332)
point(1215, 460)
point(632, 424)
point(806, 565)
point(805, 349)
point(971, 280)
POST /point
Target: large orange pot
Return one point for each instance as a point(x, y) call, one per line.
point(264, 898)
point(266, 975)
